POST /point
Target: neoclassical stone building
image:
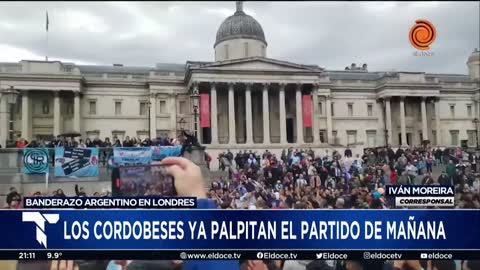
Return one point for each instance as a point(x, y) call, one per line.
point(255, 101)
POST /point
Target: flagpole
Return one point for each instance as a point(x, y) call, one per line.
point(46, 34)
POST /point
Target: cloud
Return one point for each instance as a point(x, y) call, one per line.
point(329, 34)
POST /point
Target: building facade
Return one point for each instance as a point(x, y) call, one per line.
point(255, 101)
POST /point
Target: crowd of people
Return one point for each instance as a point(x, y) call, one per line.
point(65, 141)
point(303, 179)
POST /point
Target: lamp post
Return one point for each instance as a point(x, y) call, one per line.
point(11, 96)
point(181, 124)
point(195, 100)
point(149, 105)
point(476, 121)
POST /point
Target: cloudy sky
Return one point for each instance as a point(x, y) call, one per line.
point(329, 34)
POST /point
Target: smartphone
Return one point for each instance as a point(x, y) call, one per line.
point(143, 180)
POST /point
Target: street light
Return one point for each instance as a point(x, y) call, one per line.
point(149, 105)
point(11, 96)
point(476, 121)
point(182, 123)
point(195, 97)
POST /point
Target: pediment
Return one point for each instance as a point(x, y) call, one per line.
point(260, 64)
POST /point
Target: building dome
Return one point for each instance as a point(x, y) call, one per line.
point(240, 25)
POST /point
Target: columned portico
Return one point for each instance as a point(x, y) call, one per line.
point(437, 121)
point(424, 119)
point(299, 111)
point(248, 113)
point(328, 106)
point(56, 114)
point(26, 116)
point(76, 112)
point(403, 128)
point(266, 114)
point(213, 113)
point(388, 119)
point(283, 114)
point(231, 115)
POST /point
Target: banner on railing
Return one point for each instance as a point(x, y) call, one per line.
point(76, 162)
point(161, 152)
point(127, 156)
point(35, 160)
point(204, 110)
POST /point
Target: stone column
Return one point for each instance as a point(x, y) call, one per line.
point(248, 113)
point(437, 121)
point(231, 115)
point(424, 120)
point(76, 112)
point(283, 114)
point(402, 122)
point(315, 129)
point(173, 115)
point(4, 116)
point(328, 105)
point(299, 116)
point(266, 115)
point(213, 113)
point(26, 117)
point(153, 116)
point(388, 119)
point(57, 129)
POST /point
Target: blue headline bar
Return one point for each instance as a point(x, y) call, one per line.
point(240, 229)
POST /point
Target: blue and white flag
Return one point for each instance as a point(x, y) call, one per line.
point(130, 156)
point(35, 160)
point(76, 162)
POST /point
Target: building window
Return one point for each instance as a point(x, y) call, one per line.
point(143, 108)
point(454, 137)
point(332, 109)
point(369, 109)
point(433, 140)
point(92, 107)
point(469, 110)
point(452, 111)
point(320, 108)
point(471, 137)
point(371, 138)
point(45, 107)
point(351, 137)
point(335, 138)
point(264, 51)
point(226, 51)
point(350, 109)
point(118, 135)
point(118, 107)
point(323, 136)
point(245, 45)
point(183, 107)
point(163, 106)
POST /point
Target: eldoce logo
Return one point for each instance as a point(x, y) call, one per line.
point(422, 34)
point(40, 219)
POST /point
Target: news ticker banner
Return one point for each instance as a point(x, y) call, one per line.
point(141, 230)
point(238, 255)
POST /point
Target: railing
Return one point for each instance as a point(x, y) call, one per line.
point(11, 158)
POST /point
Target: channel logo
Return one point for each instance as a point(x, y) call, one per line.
point(39, 220)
